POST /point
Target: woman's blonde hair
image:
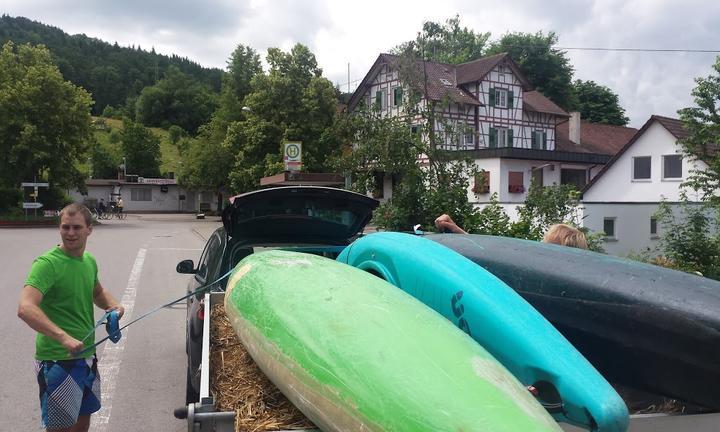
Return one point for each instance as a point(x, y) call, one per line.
point(565, 235)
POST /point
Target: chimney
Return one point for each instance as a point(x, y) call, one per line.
point(574, 127)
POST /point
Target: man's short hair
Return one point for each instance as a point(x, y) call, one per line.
point(73, 209)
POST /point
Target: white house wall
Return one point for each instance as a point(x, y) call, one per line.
point(617, 185)
point(632, 226)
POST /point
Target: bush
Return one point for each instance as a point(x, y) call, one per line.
point(10, 198)
point(53, 198)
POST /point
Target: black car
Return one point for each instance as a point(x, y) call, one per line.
point(317, 220)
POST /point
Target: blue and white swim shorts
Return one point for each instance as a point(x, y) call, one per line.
point(68, 389)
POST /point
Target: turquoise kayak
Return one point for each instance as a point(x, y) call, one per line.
point(498, 319)
point(354, 353)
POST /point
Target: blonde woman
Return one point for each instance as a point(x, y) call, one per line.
point(565, 235)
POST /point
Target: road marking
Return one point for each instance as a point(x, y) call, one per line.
point(177, 249)
point(111, 358)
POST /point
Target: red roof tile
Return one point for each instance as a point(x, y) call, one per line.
point(594, 138)
point(536, 101)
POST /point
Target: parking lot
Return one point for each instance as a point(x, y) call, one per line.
point(144, 374)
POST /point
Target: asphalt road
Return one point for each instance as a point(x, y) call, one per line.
point(144, 374)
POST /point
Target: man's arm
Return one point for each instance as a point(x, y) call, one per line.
point(30, 312)
point(104, 300)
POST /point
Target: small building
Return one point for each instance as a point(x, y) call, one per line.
point(623, 197)
point(146, 195)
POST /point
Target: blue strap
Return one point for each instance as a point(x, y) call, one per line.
point(113, 323)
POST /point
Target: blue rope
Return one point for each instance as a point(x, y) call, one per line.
point(112, 320)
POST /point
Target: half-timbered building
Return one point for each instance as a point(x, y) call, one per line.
point(512, 132)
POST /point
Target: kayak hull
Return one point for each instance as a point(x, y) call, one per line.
point(643, 326)
point(499, 320)
point(354, 353)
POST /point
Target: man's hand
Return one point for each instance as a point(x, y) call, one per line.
point(119, 308)
point(71, 344)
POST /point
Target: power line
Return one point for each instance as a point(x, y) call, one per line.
point(637, 49)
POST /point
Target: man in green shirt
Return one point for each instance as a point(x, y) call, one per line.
point(57, 302)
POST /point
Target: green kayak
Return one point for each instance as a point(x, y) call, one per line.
point(354, 353)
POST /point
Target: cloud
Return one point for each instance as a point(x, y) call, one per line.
point(342, 33)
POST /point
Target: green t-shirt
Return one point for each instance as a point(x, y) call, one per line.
point(67, 284)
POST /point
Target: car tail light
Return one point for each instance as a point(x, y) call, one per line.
point(201, 313)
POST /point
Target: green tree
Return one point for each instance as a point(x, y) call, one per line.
point(45, 120)
point(175, 133)
point(691, 237)
point(545, 206)
point(141, 149)
point(292, 102)
point(446, 43)
point(205, 166)
point(598, 103)
point(547, 68)
point(104, 165)
point(702, 123)
point(177, 99)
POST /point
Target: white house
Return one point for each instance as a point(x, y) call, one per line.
point(622, 198)
point(512, 132)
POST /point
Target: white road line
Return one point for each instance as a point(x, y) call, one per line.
point(176, 249)
point(111, 357)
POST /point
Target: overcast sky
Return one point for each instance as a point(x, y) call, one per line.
point(341, 33)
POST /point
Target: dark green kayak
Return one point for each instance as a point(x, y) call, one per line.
point(354, 353)
point(643, 326)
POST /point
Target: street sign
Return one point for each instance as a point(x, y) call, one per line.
point(293, 156)
point(30, 184)
point(32, 205)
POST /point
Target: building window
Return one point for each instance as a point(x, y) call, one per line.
point(641, 168)
point(515, 182)
point(672, 167)
point(576, 177)
point(397, 96)
point(539, 140)
point(653, 227)
point(415, 129)
point(380, 100)
point(469, 137)
point(482, 182)
point(501, 137)
point(609, 227)
point(140, 194)
point(501, 98)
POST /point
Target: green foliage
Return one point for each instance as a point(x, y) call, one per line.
point(545, 206)
point(45, 119)
point(175, 133)
point(110, 72)
point(598, 104)
point(446, 43)
point(491, 220)
point(691, 238)
point(293, 102)
point(141, 149)
point(10, 198)
point(104, 164)
point(177, 99)
point(547, 68)
point(53, 198)
point(703, 142)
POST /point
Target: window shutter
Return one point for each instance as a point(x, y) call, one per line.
point(509, 99)
point(510, 138)
point(492, 97)
point(544, 143)
point(493, 137)
point(378, 99)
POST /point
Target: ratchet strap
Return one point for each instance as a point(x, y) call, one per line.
point(112, 321)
